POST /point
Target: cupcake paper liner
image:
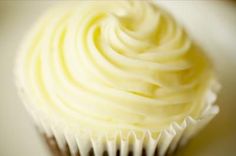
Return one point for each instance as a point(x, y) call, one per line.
point(166, 142)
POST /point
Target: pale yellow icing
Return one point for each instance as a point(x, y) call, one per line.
point(105, 66)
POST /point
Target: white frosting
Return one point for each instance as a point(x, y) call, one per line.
point(104, 66)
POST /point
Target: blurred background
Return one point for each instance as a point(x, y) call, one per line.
point(211, 23)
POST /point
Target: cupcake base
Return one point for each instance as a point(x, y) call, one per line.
point(63, 141)
point(56, 151)
point(54, 148)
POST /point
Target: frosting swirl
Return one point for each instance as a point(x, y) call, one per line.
point(113, 65)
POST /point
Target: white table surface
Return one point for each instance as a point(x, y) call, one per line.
point(211, 23)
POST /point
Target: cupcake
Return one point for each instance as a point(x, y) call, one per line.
point(114, 78)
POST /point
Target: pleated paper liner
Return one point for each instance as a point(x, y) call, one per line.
point(63, 144)
point(64, 141)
